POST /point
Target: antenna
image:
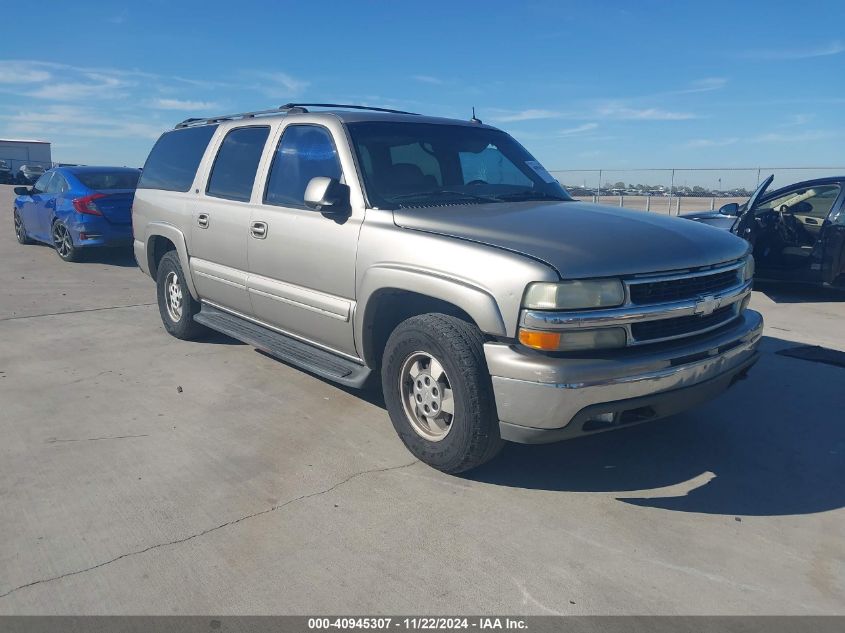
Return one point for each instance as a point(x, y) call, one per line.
point(474, 119)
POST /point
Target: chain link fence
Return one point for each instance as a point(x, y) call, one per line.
point(675, 191)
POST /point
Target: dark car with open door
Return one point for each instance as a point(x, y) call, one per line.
point(797, 232)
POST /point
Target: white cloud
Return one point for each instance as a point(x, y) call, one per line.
point(708, 84)
point(777, 137)
point(780, 54)
point(797, 120)
point(79, 122)
point(12, 72)
point(531, 114)
point(279, 84)
point(643, 114)
point(769, 137)
point(428, 79)
point(120, 18)
point(577, 130)
point(711, 142)
point(98, 85)
point(178, 104)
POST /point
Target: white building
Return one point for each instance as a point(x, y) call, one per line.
point(17, 152)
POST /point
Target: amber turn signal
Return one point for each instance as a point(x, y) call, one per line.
point(548, 341)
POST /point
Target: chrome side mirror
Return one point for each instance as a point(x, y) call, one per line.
point(327, 195)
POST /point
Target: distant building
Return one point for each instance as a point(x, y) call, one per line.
point(17, 152)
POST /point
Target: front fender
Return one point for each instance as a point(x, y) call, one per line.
point(477, 302)
point(145, 253)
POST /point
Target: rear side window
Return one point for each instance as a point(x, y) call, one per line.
point(43, 183)
point(57, 184)
point(237, 159)
point(305, 152)
point(173, 161)
point(109, 180)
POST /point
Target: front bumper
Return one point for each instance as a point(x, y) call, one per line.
point(544, 399)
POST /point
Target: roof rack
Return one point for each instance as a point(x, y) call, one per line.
point(302, 107)
point(230, 117)
point(288, 108)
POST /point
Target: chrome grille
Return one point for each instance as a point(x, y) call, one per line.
point(681, 326)
point(662, 291)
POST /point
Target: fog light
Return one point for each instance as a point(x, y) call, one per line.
point(604, 417)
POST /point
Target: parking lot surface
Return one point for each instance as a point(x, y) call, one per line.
point(140, 474)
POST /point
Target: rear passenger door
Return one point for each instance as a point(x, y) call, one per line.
point(221, 217)
point(302, 263)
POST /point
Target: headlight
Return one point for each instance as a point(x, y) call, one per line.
point(748, 270)
point(575, 295)
point(574, 340)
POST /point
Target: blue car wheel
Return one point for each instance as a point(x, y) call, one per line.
point(63, 243)
point(20, 230)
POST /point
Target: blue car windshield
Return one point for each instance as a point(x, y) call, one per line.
point(408, 164)
point(100, 180)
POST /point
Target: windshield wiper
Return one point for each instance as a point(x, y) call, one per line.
point(444, 192)
point(529, 195)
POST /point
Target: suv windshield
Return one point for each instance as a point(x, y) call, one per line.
point(425, 164)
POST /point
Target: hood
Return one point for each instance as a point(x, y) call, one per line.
point(711, 218)
point(580, 239)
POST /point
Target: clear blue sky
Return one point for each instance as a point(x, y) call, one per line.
point(581, 84)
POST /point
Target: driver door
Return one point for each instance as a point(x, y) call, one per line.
point(301, 262)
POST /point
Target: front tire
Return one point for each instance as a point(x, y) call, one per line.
point(63, 243)
point(175, 303)
point(20, 230)
point(438, 392)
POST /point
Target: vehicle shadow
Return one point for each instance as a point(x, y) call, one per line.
point(773, 445)
point(123, 257)
point(218, 338)
point(799, 293)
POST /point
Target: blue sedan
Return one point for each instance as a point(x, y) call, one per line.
point(75, 208)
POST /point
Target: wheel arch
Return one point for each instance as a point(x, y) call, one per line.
point(389, 296)
point(162, 238)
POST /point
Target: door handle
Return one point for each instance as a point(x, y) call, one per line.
point(258, 230)
point(202, 220)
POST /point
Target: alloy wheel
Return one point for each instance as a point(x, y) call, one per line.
point(62, 240)
point(173, 296)
point(427, 396)
point(20, 231)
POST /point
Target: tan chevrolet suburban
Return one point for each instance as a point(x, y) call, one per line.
point(439, 254)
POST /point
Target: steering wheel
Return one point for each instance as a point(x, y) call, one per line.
point(477, 182)
point(786, 225)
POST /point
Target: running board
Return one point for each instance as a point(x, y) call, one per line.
point(286, 348)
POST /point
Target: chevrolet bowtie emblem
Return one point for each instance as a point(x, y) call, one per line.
point(706, 306)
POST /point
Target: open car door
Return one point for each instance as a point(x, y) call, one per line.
point(833, 239)
point(745, 226)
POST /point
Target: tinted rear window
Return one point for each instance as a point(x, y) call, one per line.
point(237, 159)
point(109, 180)
point(173, 161)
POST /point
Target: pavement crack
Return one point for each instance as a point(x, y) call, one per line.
point(184, 539)
point(38, 316)
point(56, 440)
